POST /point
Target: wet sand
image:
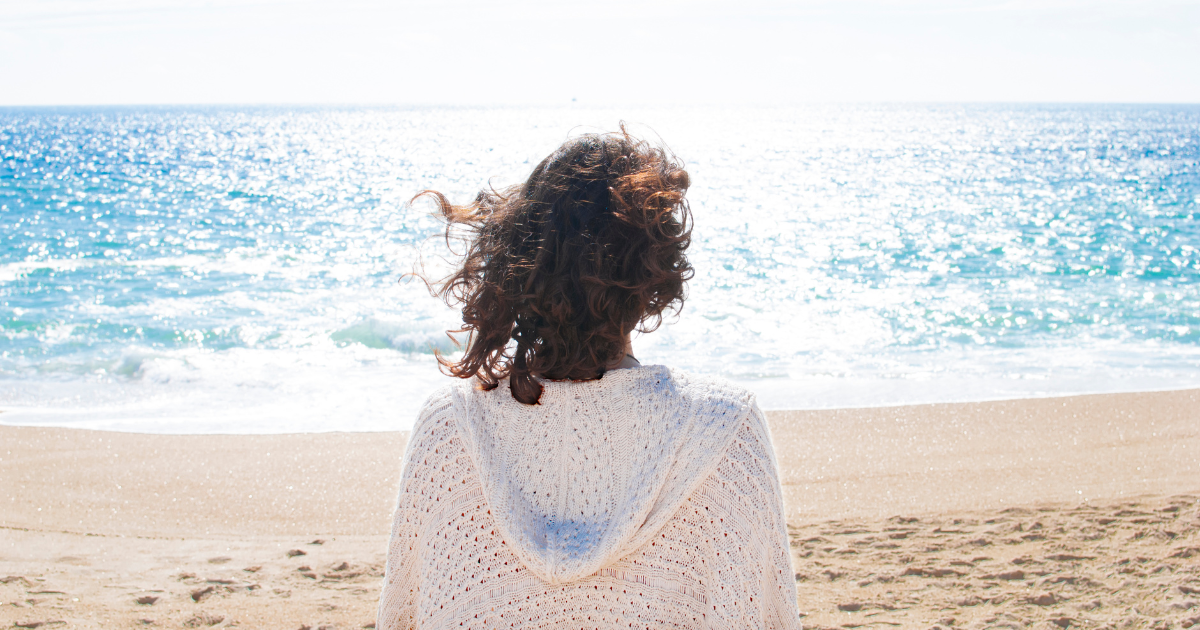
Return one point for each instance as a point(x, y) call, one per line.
point(1064, 512)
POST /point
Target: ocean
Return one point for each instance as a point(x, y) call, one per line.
point(242, 269)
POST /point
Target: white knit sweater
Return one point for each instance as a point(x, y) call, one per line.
point(646, 499)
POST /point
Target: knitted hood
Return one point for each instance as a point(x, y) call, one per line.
point(594, 470)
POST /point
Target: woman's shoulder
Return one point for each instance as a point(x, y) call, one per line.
point(709, 387)
point(706, 408)
point(727, 403)
point(435, 417)
point(704, 394)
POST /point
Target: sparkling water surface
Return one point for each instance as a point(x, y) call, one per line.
point(240, 269)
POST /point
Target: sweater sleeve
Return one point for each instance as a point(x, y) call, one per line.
point(398, 600)
point(756, 545)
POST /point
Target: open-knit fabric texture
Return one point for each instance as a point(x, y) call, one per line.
point(645, 499)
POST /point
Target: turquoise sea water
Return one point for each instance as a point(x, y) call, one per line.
point(238, 269)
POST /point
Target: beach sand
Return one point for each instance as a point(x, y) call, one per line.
point(1059, 512)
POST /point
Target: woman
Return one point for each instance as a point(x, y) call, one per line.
point(562, 484)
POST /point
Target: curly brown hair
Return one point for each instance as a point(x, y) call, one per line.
point(560, 269)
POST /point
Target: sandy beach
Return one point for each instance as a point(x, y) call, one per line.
point(1059, 512)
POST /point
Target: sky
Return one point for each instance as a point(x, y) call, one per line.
point(649, 52)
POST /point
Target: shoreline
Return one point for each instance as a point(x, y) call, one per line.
point(292, 417)
point(900, 515)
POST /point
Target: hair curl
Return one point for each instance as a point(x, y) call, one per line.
point(561, 268)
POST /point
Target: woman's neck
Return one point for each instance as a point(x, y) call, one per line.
point(627, 361)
